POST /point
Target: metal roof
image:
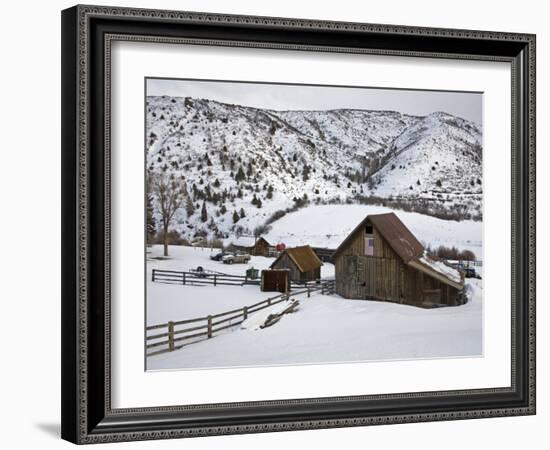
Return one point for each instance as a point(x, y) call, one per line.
point(397, 235)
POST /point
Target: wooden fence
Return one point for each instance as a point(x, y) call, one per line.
point(167, 337)
point(211, 278)
point(179, 277)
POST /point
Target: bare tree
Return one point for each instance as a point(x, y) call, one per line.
point(170, 196)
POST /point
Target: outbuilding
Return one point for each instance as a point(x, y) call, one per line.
point(302, 262)
point(253, 246)
point(382, 260)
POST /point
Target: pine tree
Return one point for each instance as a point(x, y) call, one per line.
point(204, 213)
point(240, 174)
point(151, 223)
point(235, 217)
point(269, 192)
point(242, 214)
point(189, 207)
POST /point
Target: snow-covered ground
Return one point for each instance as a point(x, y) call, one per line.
point(324, 328)
point(328, 225)
point(329, 329)
point(175, 302)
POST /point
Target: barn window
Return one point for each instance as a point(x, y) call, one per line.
point(369, 246)
point(369, 240)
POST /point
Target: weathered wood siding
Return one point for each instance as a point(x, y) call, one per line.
point(261, 248)
point(384, 276)
point(285, 262)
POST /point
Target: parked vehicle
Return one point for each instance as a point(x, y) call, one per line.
point(470, 272)
point(237, 257)
point(198, 242)
point(219, 256)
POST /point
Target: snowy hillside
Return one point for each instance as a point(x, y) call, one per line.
point(232, 158)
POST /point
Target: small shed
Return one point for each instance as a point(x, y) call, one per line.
point(275, 280)
point(303, 263)
point(382, 260)
point(253, 246)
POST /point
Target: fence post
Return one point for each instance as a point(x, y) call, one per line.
point(209, 326)
point(215, 279)
point(171, 336)
point(308, 292)
point(245, 312)
point(153, 275)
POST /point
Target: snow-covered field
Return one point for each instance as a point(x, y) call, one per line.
point(328, 225)
point(324, 328)
point(329, 329)
point(175, 302)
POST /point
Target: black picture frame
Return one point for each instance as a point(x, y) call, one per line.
point(87, 415)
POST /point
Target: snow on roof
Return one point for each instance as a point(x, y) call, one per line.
point(244, 241)
point(441, 267)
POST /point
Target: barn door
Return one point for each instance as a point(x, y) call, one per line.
point(362, 277)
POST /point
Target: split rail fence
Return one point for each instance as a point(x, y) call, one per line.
point(169, 336)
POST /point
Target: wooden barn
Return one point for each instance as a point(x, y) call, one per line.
point(382, 260)
point(253, 246)
point(303, 263)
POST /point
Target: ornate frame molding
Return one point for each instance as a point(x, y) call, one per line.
point(78, 424)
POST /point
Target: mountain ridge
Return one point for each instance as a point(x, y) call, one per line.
point(228, 155)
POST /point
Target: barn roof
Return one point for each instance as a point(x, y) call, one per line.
point(304, 257)
point(401, 240)
point(405, 244)
point(396, 234)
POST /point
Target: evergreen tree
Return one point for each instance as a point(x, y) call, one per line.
point(242, 214)
point(204, 213)
point(235, 217)
point(151, 223)
point(305, 172)
point(189, 207)
point(240, 174)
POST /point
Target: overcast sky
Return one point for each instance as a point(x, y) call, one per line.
point(302, 97)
